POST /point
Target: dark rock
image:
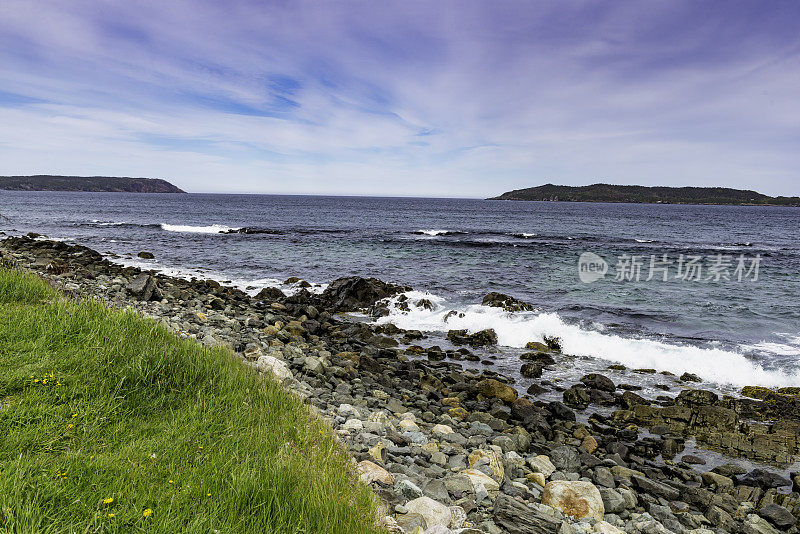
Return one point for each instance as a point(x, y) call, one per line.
point(692, 459)
point(146, 255)
point(598, 381)
point(494, 389)
point(354, 293)
point(515, 517)
point(565, 458)
point(696, 397)
point(270, 294)
point(576, 397)
point(689, 377)
point(531, 370)
point(764, 479)
point(658, 489)
point(778, 516)
point(499, 300)
point(561, 412)
point(478, 339)
point(144, 287)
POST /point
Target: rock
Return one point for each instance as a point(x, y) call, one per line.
point(655, 488)
point(510, 304)
point(494, 389)
point(754, 524)
point(598, 381)
point(537, 478)
point(370, 472)
point(270, 294)
point(576, 397)
point(478, 480)
point(146, 255)
point(495, 462)
point(271, 364)
point(537, 346)
point(144, 287)
point(589, 444)
point(541, 464)
point(531, 370)
point(714, 479)
point(478, 339)
point(692, 459)
point(577, 499)
point(689, 377)
point(354, 293)
point(434, 513)
point(515, 517)
point(410, 522)
point(764, 479)
point(778, 516)
point(408, 490)
point(604, 527)
point(565, 458)
point(613, 501)
point(441, 429)
point(696, 397)
point(353, 425)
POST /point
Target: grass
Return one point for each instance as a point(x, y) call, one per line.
point(114, 424)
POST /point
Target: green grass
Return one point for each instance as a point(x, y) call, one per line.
point(103, 404)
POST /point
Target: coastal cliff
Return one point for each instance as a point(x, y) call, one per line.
point(100, 184)
point(647, 195)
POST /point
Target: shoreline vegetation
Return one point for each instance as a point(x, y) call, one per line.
point(638, 194)
point(112, 423)
point(445, 448)
point(95, 184)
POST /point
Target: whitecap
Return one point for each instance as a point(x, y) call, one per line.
point(211, 229)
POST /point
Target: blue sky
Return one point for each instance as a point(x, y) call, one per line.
point(461, 98)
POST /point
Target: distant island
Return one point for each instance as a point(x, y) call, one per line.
point(102, 184)
point(647, 195)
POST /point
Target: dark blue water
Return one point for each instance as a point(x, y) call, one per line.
point(728, 330)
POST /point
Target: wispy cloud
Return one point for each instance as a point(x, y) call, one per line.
point(411, 98)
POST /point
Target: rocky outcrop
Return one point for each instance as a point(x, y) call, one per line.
point(509, 304)
point(354, 293)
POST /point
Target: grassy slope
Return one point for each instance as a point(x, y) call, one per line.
point(103, 404)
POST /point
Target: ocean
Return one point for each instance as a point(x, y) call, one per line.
point(727, 311)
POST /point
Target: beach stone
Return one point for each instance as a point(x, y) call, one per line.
point(764, 479)
point(537, 478)
point(408, 489)
point(655, 488)
point(491, 389)
point(565, 458)
point(604, 527)
point(353, 425)
point(754, 524)
point(613, 501)
point(589, 444)
point(434, 513)
point(144, 287)
point(541, 464)
point(370, 472)
point(410, 522)
point(273, 365)
point(494, 459)
point(577, 499)
point(778, 516)
point(441, 429)
point(515, 517)
point(479, 479)
point(598, 381)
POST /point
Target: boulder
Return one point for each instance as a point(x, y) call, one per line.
point(778, 516)
point(598, 381)
point(478, 339)
point(481, 480)
point(354, 293)
point(146, 255)
point(565, 458)
point(696, 397)
point(434, 512)
point(270, 294)
point(575, 498)
point(515, 517)
point(576, 397)
point(271, 364)
point(510, 304)
point(754, 524)
point(144, 287)
point(764, 479)
point(494, 389)
point(531, 370)
point(495, 462)
point(541, 464)
point(370, 472)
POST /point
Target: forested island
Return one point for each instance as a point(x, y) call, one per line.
point(103, 184)
point(647, 195)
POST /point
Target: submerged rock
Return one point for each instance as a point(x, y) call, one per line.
point(510, 304)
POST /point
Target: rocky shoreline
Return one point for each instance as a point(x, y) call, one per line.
point(449, 449)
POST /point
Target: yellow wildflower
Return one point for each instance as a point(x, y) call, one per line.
point(147, 513)
point(108, 501)
point(172, 482)
point(111, 514)
point(70, 425)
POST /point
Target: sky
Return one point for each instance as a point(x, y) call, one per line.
point(406, 98)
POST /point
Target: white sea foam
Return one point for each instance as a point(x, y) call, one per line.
point(433, 233)
point(211, 229)
point(643, 240)
point(516, 329)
